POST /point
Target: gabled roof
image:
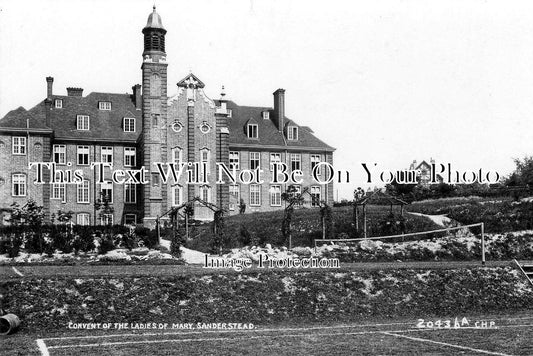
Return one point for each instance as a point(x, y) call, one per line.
point(191, 79)
point(106, 125)
point(269, 135)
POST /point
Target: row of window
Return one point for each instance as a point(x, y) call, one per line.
point(58, 191)
point(102, 105)
point(82, 153)
point(274, 192)
point(83, 123)
point(295, 160)
point(252, 131)
point(105, 219)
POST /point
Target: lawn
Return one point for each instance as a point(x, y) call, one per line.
point(511, 335)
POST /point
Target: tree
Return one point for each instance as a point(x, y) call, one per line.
point(292, 197)
point(523, 173)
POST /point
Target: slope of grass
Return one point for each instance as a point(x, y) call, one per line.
point(265, 228)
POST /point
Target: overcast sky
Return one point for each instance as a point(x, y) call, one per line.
point(384, 82)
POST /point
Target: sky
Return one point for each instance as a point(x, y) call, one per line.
point(384, 82)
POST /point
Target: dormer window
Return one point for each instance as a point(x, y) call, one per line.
point(292, 133)
point(104, 105)
point(58, 104)
point(83, 122)
point(129, 124)
point(266, 115)
point(252, 131)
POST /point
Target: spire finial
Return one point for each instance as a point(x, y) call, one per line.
point(154, 7)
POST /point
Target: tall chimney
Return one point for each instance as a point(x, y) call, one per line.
point(137, 96)
point(74, 91)
point(49, 83)
point(279, 108)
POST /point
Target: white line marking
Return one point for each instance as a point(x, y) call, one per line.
point(209, 339)
point(42, 347)
point(444, 344)
point(203, 331)
point(17, 271)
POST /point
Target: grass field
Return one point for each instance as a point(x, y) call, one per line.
point(510, 335)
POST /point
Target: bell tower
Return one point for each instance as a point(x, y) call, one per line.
point(154, 108)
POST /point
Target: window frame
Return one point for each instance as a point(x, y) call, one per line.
point(234, 162)
point(313, 194)
point(293, 160)
point(258, 159)
point(87, 215)
point(19, 145)
point(274, 161)
point(275, 196)
point(60, 102)
point(102, 154)
point(205, 189)
point(236, 189)
point(61, 189)
point(134, 155)
point(250, 131)
point(292, 133)
point(79, 154)
point(134, 219)
point(108, 186)
point(127, 124)
point(21, 181)
point(80, 122)
point(317, 160)
point(56, 149)
point(252, 201)
point(177, 188)
point(82, 187)
point(104, 105)
point(130, 188)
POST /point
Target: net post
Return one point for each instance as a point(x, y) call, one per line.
point(483, 243)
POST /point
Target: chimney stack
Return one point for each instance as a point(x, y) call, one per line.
point(49, 84)
point(137, 96)
point(74, 91)
point(279, 108)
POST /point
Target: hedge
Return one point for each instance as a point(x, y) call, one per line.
point(267, 297)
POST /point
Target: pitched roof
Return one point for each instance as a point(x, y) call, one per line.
point(269, 135)
point(22, 119)
point(104, 125)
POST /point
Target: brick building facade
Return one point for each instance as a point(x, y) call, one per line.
point(130, 131)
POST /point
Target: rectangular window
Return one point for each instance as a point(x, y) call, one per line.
point(104, 105)
point(130, 193)
point(315, 159)
point(83, 155)
point(204, 158)
point(205, 193)
point(266, 115)
point(234, 196)
point(58, 191)
point(19, 145)
point(274, 158)
point(230, 112)
point(83, 192)
point(106, 219)
point(177, 156)
point(296, 161)
point(234, 160)
point(275, 195)
point(155, 180)
point(129, 156)
point(83, 122)
point(106, 191)
point(255, 195)
point(107, 155)
point(177, 195)
point(292, 133)
point(60, 154)
point(315, 196)
point(129, 124)
point(18, 185)
point(130, 219)
point(58, 103)
point(83, 219)
point(255, 160)
point(252, 131)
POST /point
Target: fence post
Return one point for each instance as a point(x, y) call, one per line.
point(482, 243)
